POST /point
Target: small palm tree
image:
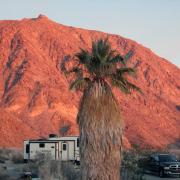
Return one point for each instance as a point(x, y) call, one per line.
point(99, 118)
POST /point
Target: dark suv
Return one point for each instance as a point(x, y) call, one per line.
point(163, 164)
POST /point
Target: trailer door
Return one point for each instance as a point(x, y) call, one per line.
point(71, 145)
point(64, 151)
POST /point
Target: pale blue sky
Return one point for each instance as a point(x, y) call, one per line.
point(153, 23)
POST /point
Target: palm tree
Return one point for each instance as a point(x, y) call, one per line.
point(99, 119)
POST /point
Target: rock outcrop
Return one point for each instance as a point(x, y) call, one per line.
point(35, 99)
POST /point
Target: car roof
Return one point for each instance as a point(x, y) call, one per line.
point(162, 154)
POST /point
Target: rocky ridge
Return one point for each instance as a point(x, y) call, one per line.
point(34, 95)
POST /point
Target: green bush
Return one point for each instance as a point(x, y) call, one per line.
point(130, 169)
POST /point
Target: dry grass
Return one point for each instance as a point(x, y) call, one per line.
point(11, 154)
point(5, 154)
point(70, 171)
point(17, 157)
point(52, 169)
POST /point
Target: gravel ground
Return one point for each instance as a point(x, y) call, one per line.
point(11, 169)
point(14, 170)
point(152, 177)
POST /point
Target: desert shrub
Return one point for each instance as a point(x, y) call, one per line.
point(49, 169)
point(133, 162)
point(17, 157)
point(11, 154)
point(130, 169)
point(45, 170)
point(52, 169)
point(42, 166)
point(5, 154)
point(70, 171)
point(174, 149)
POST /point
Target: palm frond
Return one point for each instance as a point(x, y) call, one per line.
point(129, 71)
point(100, 63)
point(121, 59)
point(134, 87)
point(120, 81)
point(101, 50)
point(77, 70)
point(104, 48)
point(95, 52)
point(79, 83)
point(120, 84)
point(83, 56)
point(116, 59)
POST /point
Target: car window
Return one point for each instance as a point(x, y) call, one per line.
point(156, 158)
point(167, 158)
point(34, 176)
point(151, 159)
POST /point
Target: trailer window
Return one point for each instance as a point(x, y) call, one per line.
point(64, 147)
point(77, 142)
point(41, 145)
point(27, 148)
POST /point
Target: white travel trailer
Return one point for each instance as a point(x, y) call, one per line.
point(59, 148)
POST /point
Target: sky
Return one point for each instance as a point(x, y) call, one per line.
point(153, 23)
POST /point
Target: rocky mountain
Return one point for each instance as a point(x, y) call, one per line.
point(35, 99)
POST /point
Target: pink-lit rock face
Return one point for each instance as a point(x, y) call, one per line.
point(34, 95)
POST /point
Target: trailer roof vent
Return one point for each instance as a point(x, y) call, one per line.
point(41, 139)
point(52, 135)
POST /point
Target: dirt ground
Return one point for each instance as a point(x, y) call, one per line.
point(11, 170)
point(15, 170)
point(153, 177)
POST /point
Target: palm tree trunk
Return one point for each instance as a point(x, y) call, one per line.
point(100, 133)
